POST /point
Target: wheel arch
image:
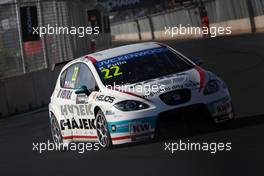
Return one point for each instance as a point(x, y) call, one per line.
point(96, 109)
point(58, 117)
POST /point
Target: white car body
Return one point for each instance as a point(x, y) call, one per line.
point(75, 113)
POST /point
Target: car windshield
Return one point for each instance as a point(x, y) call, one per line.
point(141, 66)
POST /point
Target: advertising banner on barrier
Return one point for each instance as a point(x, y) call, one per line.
point(117, 5)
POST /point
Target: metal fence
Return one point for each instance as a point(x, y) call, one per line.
point(18, 57)
point(218, 11)
point(258, 6)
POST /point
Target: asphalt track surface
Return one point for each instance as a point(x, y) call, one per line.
point(239, 60)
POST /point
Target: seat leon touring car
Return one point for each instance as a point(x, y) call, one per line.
point(117, 95)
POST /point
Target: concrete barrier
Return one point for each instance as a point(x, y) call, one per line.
point(259, 22)
point(238, 26)
point(20, 93)
point(3, 102)
point(160, 35)
point(43, 86)
point(127, 37)
point(146, 36)
point(27, 92)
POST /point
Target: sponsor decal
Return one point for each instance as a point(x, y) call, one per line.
point(87, 124)
point(129, 56)
point(81, 99)
point(105, 98)
point(75, 73)
point(80, 110)
point(119, 5)
point(189, 84)
point(64, 94)
point(175, 78)
point(69, 84)
point(223, 108)
point(140, 127)
point(153, 93)
point(220, 107)
point(185, 85)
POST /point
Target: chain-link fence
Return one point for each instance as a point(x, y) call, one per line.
point(18, 56)
point(10, 55)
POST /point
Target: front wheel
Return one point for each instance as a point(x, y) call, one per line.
point(103, 134)
point(55, 131)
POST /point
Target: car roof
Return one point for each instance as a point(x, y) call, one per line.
point(122, 50)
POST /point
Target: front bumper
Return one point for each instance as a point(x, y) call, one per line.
point(132, 130)
point(221, 110)
point(145, 128)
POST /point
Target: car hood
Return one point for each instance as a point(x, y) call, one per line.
point(150, 89)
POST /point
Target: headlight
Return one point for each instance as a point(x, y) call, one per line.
point(130, 105)
point(211, 87)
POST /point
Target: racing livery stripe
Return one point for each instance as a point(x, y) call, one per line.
point(121, 138)
point(201, 75)
point(80, 137)
point(131, 136)
point(114, 138)
point(92, 59)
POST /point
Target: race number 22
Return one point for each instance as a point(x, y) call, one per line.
point(111, 72)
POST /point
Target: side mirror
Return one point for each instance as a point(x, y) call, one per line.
point(81, 90)
point(198, 61)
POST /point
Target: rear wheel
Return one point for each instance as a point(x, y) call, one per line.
point(103, 134)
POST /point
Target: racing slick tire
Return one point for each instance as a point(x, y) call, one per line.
point(102, 130)
point(56, 133)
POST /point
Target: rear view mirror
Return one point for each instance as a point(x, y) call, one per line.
point(81, 90)
point(198, 61)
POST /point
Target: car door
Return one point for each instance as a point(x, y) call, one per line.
point(83, 115)
point(66, 99)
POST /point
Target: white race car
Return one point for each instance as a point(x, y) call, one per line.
point(117, 95)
